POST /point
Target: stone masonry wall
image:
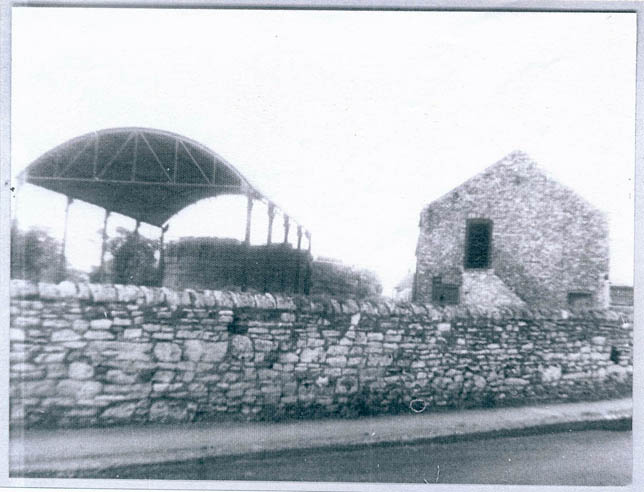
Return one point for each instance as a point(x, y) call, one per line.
point(87, 355)
point(546, 240)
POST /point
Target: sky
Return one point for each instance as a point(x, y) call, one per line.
point(351, 121)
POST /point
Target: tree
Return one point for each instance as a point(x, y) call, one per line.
point(35, 255)
point(133, 260)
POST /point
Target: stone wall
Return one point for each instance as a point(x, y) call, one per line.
point(84, 355)
point(546, 240)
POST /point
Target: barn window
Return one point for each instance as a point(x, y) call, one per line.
point(444, 293)
point(580, 300)
point(478, 239)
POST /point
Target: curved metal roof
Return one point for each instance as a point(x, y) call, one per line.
point(142, 173)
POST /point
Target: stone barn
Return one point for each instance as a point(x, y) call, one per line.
point(511, 235)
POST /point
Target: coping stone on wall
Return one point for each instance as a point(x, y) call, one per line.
point(127, 293)
point(418, 309)
point(223, 299)
point(184, 299)
point(323, 304)
point(103, 293)
point(208, 298)
point(83, 293)
point(303, 303)
point(152, 296)
point(336, 307)
point(67, 289)
point(243, 300)
point(402, 309)
point(48, 291)
point(196, 298)
point(435, 314)
point(390, 304)
point(21, 289)
point(382, 308)
point(170, 297)
point(350, 307)
point(315, 304)
point(284, 303)
point(265, 301)
point(368, 307)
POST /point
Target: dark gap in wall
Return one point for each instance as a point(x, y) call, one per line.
point(478, 237)
point(614, 355)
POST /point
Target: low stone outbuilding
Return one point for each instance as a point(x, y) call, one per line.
point(512, 236)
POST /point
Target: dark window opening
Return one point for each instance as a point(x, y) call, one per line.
point(580, 300)
point(478, 238)
point(614, 355)
point(444, 293)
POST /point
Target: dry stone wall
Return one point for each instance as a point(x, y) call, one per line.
point(84, 355)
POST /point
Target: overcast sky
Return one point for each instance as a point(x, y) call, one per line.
point(351, 121)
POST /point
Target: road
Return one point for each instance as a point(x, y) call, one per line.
point(568, 458)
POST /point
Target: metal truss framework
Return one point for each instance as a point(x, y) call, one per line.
point(146, 174)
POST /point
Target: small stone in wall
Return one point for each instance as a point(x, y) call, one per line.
point(163, 411)
point(25, 322)
point(117, 376)
point(194, 349)
point(479, 382)
point(98, 335)
point(215, 352)
point(287, 317)
point(65, 336)
point(56, 324)
point(50, 358)
point(120, 412)
point(80, 325)
point(444, 327)
point(311, 355)
point(80, 370)
point(101, 324)
point(163, 376)
point(550, 373)
point(339, 361)
point(241, 345)
point(132, 333)
point(618, 372)
point(167, 352)
point(515, 382)
point(80, 390)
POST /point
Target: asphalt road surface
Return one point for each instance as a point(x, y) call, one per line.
point(568, 458)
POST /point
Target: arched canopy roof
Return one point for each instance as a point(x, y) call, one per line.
point(142, 173)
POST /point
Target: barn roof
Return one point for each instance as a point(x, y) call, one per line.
point(517, 163)
point(143, 173)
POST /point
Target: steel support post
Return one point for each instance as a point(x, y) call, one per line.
point(103, 246)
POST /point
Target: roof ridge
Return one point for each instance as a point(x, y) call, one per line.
point(510, 158)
